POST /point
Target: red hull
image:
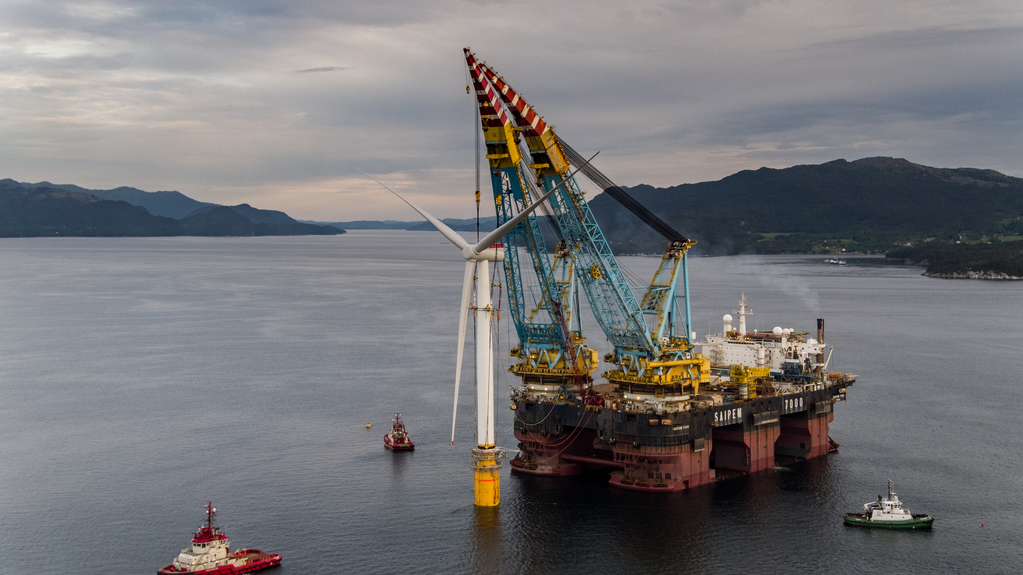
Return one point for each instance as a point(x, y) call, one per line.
point(741, 440)
point(272, 560)
point(557, 456)
point(663, 469)
point(398, 446)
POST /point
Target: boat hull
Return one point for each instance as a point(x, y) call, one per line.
point(917, 522)
point(399, 446)
point(270, 560)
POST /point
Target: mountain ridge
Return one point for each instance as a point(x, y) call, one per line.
point(170, 204)
point(870, 205)
point(35, 210)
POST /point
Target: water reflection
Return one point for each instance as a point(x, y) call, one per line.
point(400, 465)
point(690, 531)
point(486, 541)
point(632, 531)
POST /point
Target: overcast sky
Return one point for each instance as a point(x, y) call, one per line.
point(271, 102)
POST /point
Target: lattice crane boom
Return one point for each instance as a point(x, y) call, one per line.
point(647, 351)
point(503, 156)
point(614, 304)
point(551, 352)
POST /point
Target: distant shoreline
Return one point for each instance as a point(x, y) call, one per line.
point(971, 275)
point(994, 261)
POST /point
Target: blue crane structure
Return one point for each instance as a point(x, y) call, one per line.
point(554, 356)
point(650, 355)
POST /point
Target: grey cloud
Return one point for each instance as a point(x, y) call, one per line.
point(927, 37)
point(198, 94)
point(995, 101)
point(325, 69)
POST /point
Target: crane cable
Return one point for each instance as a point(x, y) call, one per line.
point(623, 198)
point(552, 221)
point(477, 149)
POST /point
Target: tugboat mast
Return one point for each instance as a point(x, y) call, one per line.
point(207, 532)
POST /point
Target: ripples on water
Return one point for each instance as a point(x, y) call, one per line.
point(141, 377)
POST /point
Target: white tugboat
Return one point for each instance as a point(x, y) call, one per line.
point(888, 513)
point(210, 554)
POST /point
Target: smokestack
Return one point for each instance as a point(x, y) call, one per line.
point(820, 339)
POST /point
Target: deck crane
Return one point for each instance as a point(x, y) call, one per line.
point(555, 358)
point(653, 361)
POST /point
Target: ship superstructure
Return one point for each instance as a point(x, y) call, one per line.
point(657, 415)
point(781, 350)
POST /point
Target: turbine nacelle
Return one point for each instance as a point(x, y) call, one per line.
point(494, 253)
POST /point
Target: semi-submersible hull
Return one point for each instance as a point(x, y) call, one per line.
point(674, 451)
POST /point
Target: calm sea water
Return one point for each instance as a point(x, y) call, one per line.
point(141, 377)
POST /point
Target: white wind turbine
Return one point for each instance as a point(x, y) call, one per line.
point(477, 257)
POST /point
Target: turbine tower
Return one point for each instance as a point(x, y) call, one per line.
point(487, 456)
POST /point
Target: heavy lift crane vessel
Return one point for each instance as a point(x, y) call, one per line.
point(655, 364)
point(651, 420)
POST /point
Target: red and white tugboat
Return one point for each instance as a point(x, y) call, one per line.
point(210, 554)
point(397, 438)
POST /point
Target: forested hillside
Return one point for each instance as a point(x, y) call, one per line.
point(41, 211)
point(869, 205)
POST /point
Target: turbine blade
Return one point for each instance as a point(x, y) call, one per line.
point(489, 239)
point(449, 233)
point(470, 270)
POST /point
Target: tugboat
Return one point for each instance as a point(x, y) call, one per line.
point(397, 438)
point(210, 554)
point(888, 513)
